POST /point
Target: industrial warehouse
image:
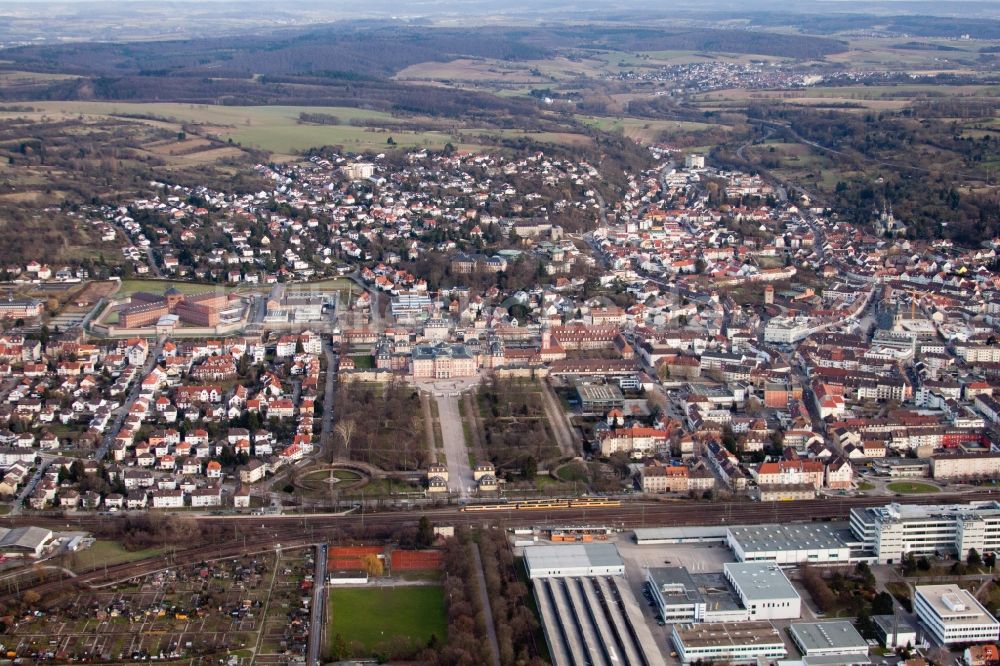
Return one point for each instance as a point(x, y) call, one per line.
point(589, 614)
point(734, 593)
point(880, 535)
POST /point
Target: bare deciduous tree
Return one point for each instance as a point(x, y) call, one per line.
point(345, 431)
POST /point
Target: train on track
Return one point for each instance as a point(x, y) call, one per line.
point(544, 504)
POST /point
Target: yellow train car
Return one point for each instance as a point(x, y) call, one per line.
point(488, 507)
point(594, 501)
point(535, 505)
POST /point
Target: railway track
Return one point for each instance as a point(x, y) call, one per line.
point(246, 534)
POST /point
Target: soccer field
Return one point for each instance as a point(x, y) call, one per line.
point(371, 615)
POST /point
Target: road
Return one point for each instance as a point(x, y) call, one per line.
point(29, 487)
point(557, 417)
point(459, 471)
point(602, 208)
point(318, 616)
point(326, 423)
point(133, 395)
point(153, 268)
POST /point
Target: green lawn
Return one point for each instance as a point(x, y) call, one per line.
point(912, 487)
point(573, 472)
point(363, 361)
point(346, 475)
point(384, 488)
point(111, 553)
point(864, 485)
point(129, 287)
point(372, 615)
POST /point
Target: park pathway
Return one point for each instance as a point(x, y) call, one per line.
point(484, 596)
point(557, 418)
point(453, 436)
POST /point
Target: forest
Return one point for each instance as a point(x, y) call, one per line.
point(919, 161)
point(357, 51)
point(350, 64)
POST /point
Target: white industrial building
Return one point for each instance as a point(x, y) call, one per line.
point(588, 559)
point(24, 541)
point(952, 615)
point(683, 597)
point(764, 590)
point(745, 642)
point(837, 638)
point(588, 611)
point(892, 531)
point(786, 330)
point(789, 544)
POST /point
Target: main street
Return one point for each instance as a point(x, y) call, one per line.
point(29, 487)
point(326, 424)
point(133, 395)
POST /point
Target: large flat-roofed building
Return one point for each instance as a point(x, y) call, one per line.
point(892, 531)
point(600, 398)
point(287, 306)
point(952, 615)
point(594, 620)
point(681, 596)
point(837, 638)
point(358, 170)
point(589, 559)
point(647, 536)
point(745, 642)
point(789, 543)
point(411, 306)
point(764, 590)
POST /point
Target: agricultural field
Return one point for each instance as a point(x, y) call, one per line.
point(248, 606)
point(471, 71)
point(644, 130)
point(212, 134)
point(928, 56)
point(375, 615)
point(275, 129)
point(487, 73)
